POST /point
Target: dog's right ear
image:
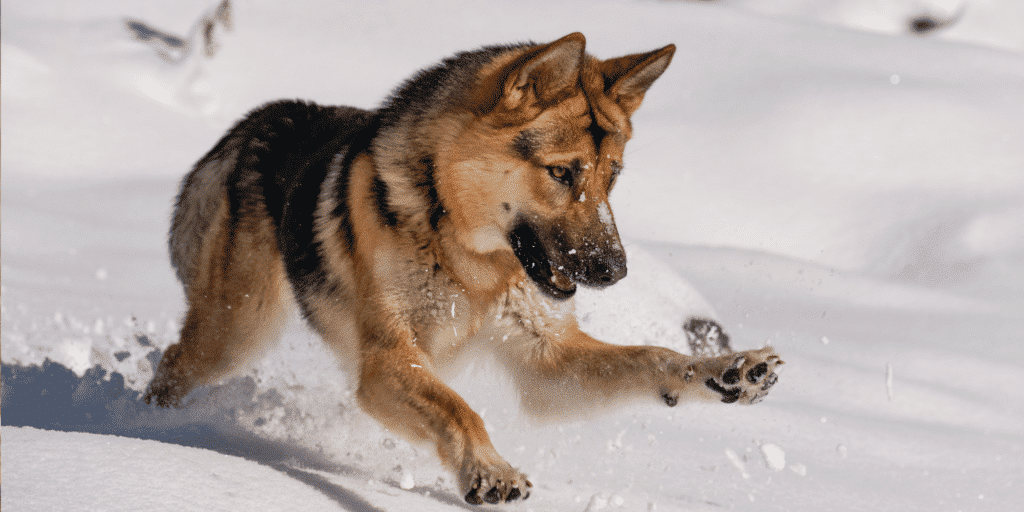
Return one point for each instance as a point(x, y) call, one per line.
point(628, 78)
point(543, 75)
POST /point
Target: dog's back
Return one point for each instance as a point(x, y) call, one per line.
point(254, 170)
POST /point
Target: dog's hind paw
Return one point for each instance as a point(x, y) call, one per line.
point(497, 485)
point(747, 376)
point(706, 338)
point(163, 394)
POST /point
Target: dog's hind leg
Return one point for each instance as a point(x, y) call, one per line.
point(237, 301)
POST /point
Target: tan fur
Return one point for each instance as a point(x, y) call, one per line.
point(443, 217)
point(233, 311)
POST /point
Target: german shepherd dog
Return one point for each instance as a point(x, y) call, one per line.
point(461, 213)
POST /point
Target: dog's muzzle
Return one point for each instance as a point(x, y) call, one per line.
point(557, 270)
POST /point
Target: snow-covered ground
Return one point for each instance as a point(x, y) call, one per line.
point(807, 171)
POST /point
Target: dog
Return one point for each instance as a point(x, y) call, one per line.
point(463, 212)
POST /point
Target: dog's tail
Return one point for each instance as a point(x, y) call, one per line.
point(203, 193)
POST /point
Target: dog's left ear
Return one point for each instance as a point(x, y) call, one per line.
point(626, 79)
point(544, 74)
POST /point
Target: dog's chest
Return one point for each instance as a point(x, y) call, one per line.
point(452, 323)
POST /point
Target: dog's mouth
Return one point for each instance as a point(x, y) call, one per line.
point(548, 275)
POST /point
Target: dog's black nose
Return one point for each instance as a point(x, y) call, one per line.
point(616, 274)
point(606, 273)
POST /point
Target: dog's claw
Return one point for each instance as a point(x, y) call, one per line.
point(670, 399)
point(497, 491)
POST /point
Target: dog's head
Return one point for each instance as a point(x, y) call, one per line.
point(542, 154)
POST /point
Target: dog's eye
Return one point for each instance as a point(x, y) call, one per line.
point(561, 173)
point(616, 169)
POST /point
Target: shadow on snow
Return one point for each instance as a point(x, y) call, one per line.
point(52, 397)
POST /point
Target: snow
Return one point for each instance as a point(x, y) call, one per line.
point(92, 472)
point(774, 456)
point(806, 172)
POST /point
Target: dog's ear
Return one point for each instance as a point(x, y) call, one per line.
point(543, 75)
point(626, 79)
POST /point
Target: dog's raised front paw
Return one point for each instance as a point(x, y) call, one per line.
point(748, 377)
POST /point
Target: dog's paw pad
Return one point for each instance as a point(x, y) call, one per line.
point(729, 395)
point(486, 488)
point(754, 374)
point(748, 377)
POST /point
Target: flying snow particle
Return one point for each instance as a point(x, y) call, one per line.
point(888, 380)
point(101, 274)
point(799, 469)
point(737, 461)
point(407, 481)
point(841, 450)
point(597, 502)
point(74, 353)
point(616, 444)
point(774, 457)
point(824, 340)
point(894, 79)
point(605, 214)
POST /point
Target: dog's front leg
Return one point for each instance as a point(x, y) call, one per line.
point(573, 372)
point(398, 388)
